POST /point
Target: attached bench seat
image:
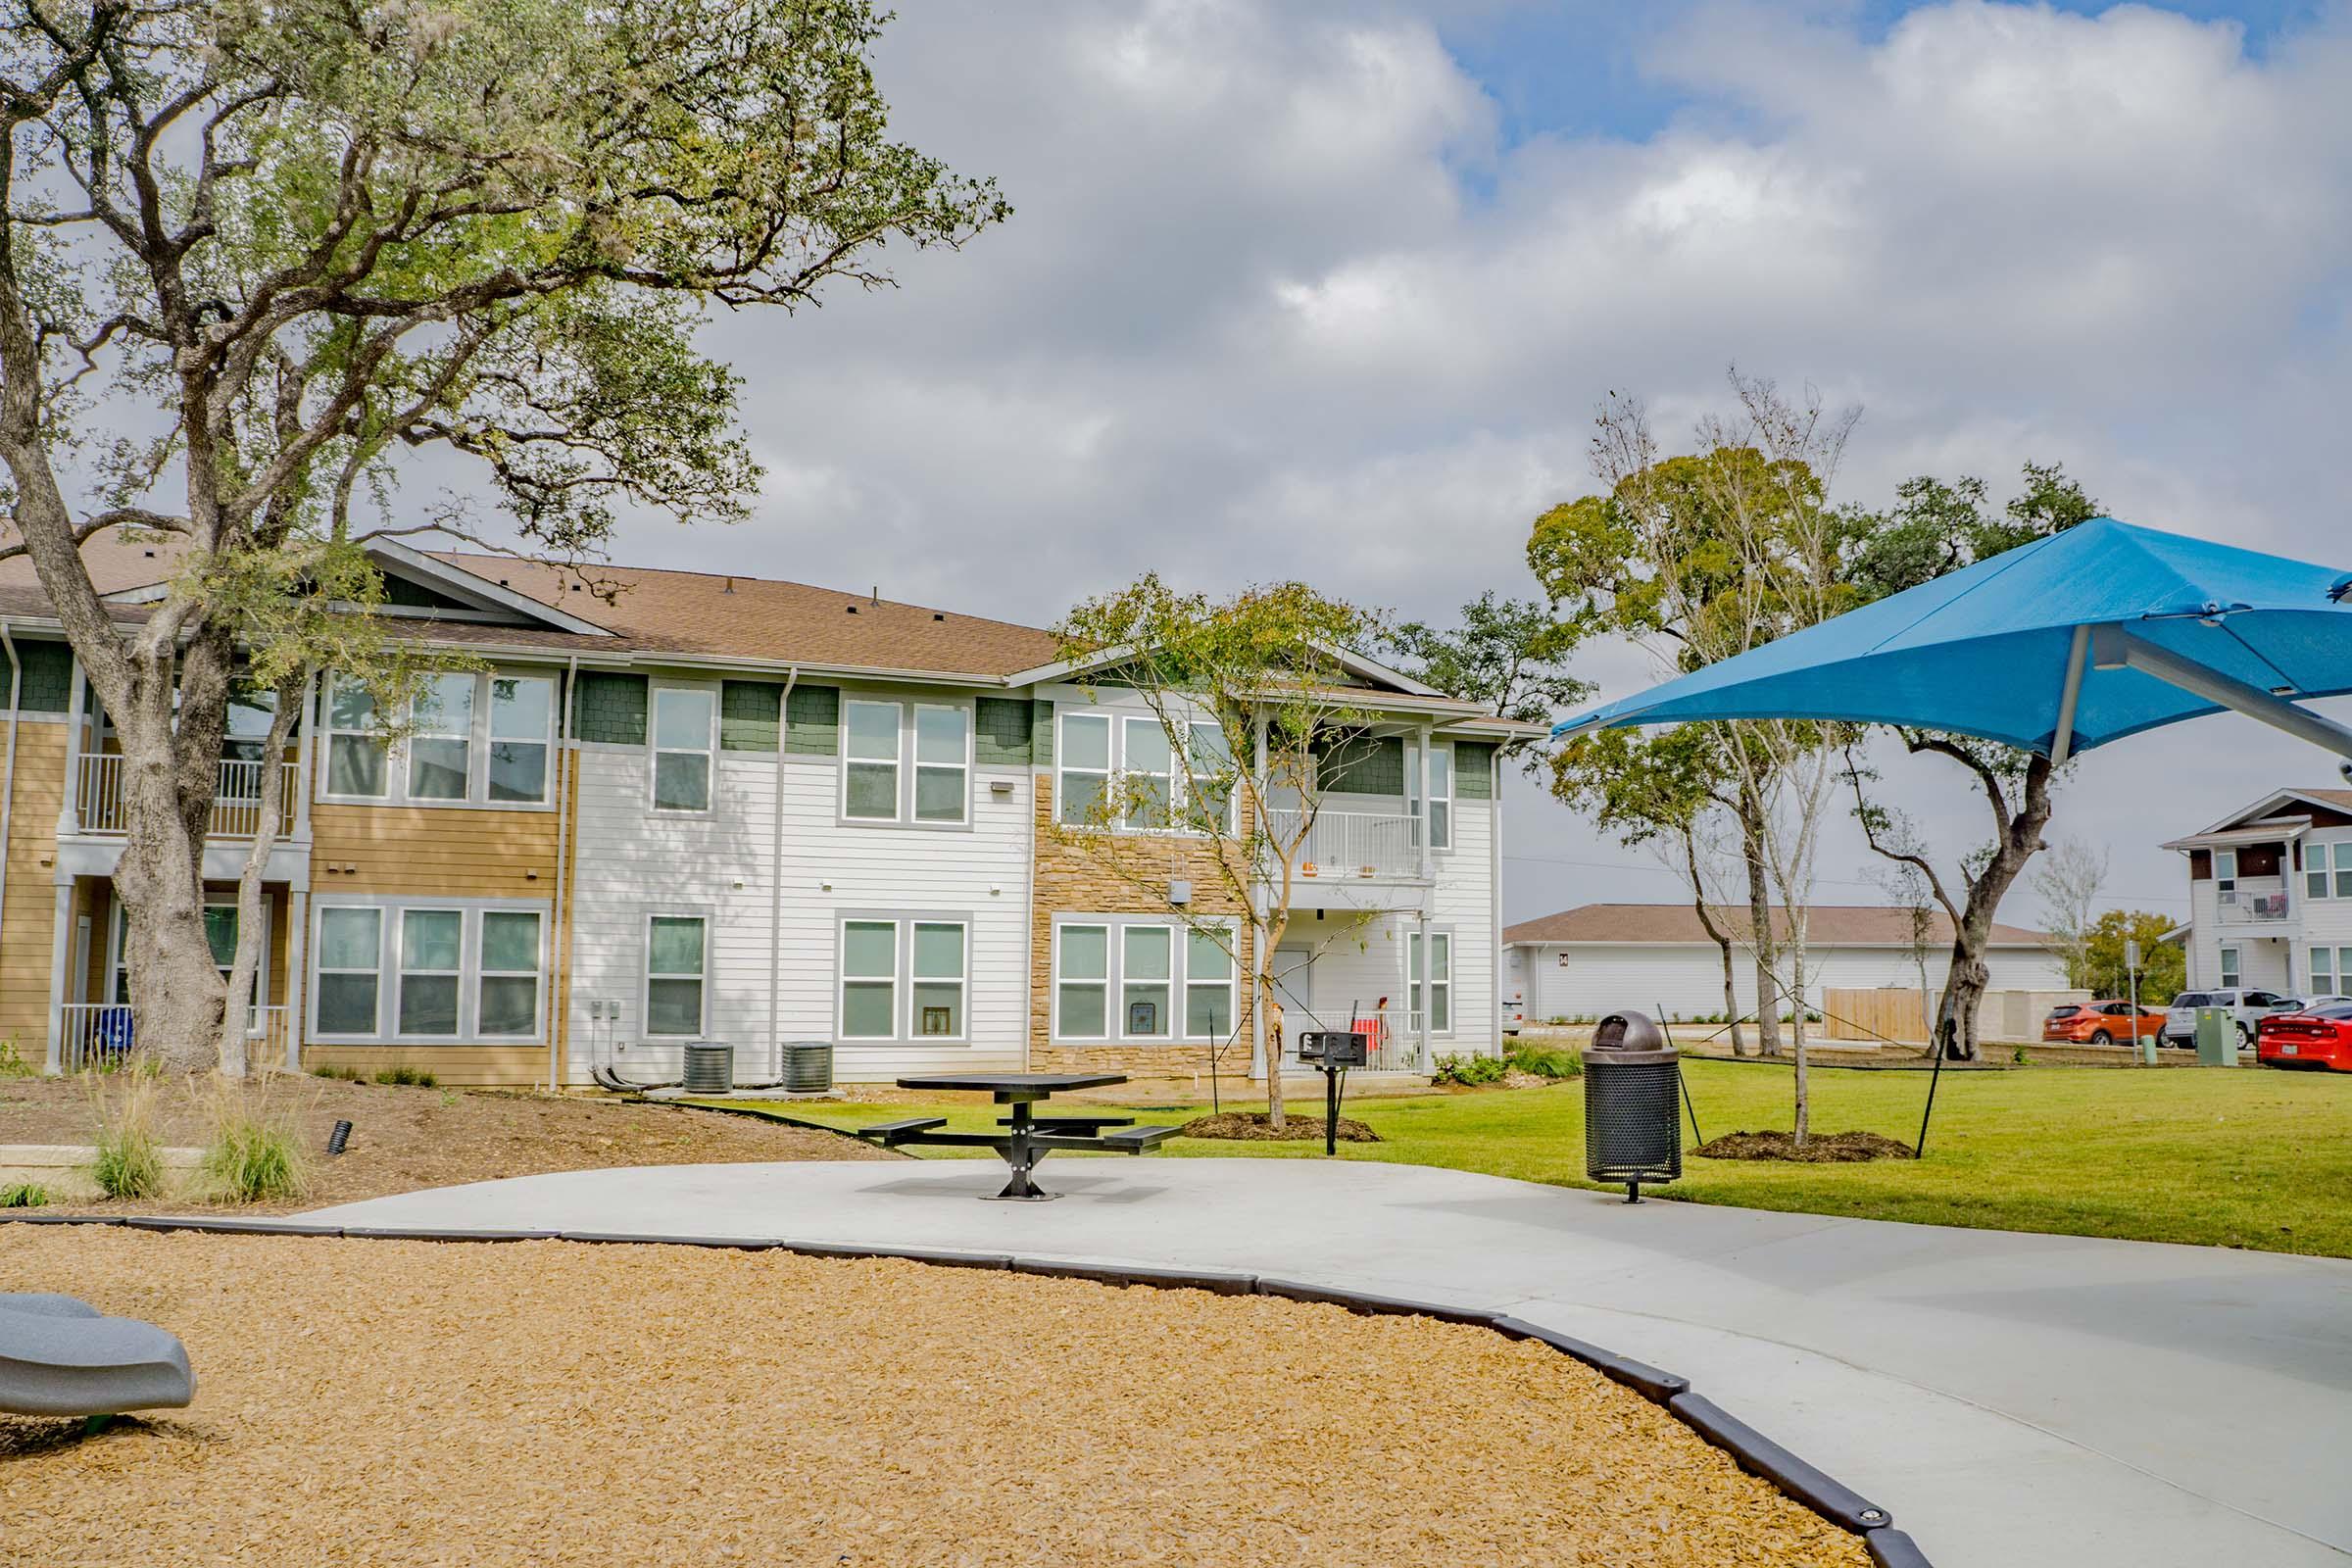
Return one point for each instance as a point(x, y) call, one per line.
point(1138, 1140)
point(1055, 1122)
point(890, 1134)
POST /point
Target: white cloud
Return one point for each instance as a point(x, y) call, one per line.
point(1278, 298)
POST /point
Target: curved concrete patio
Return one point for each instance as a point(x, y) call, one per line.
point(2013, 1398)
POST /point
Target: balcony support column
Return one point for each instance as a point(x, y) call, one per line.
point(61, 943)
point(69, 812)
point(298, 927)
point(303, 753)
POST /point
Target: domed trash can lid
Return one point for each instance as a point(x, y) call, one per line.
point(1629, 1038)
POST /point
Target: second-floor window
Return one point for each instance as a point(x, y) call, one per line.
point(484, 738)
point(2316, 880)
point(685, 736)
point(1441, 792)
point(1154, 795)
point(879, 738)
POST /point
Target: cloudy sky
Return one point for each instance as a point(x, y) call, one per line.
point(1333, 289)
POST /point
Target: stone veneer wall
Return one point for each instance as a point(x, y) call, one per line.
point(1075, 881)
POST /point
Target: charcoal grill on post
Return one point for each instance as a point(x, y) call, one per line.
point(1332, 1051)
point(1633, 1106)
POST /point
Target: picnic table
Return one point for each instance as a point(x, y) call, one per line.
point(1028, 1135)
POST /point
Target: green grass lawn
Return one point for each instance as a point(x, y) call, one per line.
point(2243, 1158)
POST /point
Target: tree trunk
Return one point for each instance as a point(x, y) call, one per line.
point(1803, 1129)
point(290, 698)
point(1964, 991)
point(1759, 916)
point(176, 991)
point(1722, 937)
point(1731, 994)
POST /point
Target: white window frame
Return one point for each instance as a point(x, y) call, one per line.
point(1172, 984)
point(465, 737)
point(1111, 967)
point(2317, 882)
point(2320, 968)
point(646, 977)
point(963, 981)
point(842, 979)
point(482, 972)
point(478, 739)
point(2233, 966)
point(1230, 947)
point(1188, 773)
point(912, 747)
point(1062, 770)
point(655, 750)
point(383, 920)
point(896, 762)
point(118, 973)
point(400, 974)
point(1128, 823)
point(487, 701)
point(1412, 983)
point(1443, 798)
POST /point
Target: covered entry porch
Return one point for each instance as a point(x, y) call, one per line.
point(1387, 971)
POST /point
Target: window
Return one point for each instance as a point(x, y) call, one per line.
point(938, 971)
point(220, 933)
point(673, 975)
point(1082, 971)
point(685, 719)
point(441, 738)
point(355, 757)
point(1441, 792)
point(2225, 874)
point(2316, 880)
point(1210, 787)
point(432, 963)
point(2331, 970)
point(250, 710)
point(870, 979)
point(1441, 980)
point(1083, 759)
point(522, 727)
point(1207, 984)
point(1145, 972)
point(871, 777)
point(507, 991)
point(2229, 969)
point(350, 963)
point(943, 747)
point(1147, 785)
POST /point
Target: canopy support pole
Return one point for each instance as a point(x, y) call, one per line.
point(2062, 743)
point(2119, 649)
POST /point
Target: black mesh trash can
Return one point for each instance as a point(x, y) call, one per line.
point(1633, 1104)
point(709, 1067)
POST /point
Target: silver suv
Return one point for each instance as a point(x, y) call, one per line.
point(2245, 1008)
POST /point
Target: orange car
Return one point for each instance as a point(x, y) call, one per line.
point(2098, 1023)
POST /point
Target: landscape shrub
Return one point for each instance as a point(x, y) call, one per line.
point(254, 1154)
point(24, 1195)
point(346, 1075)
point(12, 1061)
point(1469, 1070)
point(406, 1076)
point(1541, 1064)
point(129, 1159)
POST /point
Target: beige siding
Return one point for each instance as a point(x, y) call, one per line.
point(25, 922)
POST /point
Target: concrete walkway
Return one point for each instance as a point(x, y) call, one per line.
point(2014, 1400)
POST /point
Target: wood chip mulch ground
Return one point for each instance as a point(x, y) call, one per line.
point(406, 1138)
point(385, 1403)
point(1254, 1126)
point(1820, 1148)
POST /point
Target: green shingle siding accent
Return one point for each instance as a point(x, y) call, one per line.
point(812, 720)
point(748, 712)
point(1041, 734)
point(48, 677)
point(1373, 765)
point(610, 708)
point(412, 595)
point(1474, 769)
point(1002, 729)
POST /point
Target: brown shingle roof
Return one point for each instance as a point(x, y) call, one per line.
point(1861, 925)
point(720, 616)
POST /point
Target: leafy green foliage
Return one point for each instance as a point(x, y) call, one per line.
point(12, 1061)
point(24, 1195)
point(406, 1076)
point(1506, 654)
point(1468, 1071)
point(341, 1074)
point(1542, 1064)
point(2164, 965)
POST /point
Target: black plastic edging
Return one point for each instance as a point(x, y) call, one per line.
point(1754, 1452)
point(1758, 1455)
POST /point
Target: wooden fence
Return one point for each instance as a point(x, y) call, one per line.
point(1895, 1013)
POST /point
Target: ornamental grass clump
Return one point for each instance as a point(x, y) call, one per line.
point(128, 1162)
point(254, 1154)
point(24, 1195)
point(406, 1076)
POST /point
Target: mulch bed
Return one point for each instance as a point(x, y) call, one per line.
point(406, 1404)
point(1821, 1148)
point(1254, 1126)
point(406, 1138)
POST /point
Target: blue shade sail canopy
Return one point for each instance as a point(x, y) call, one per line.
point(2055, 647)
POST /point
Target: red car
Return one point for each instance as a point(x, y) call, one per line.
point(2319, 1038)
point(2098, 1023)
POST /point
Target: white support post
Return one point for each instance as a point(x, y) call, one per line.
point(298, 991)
point(303, 754)
point(1261, 963)
point(61, 938)
point(2116, 647)
point(1428, 814)
point(69, 812)
point(1422, 1063)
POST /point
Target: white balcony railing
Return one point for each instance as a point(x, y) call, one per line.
point(1355, 845)
point(2255, 902)
point(236, 796)
point(98, 1035)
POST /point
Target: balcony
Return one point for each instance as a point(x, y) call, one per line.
point(101, 809)
point(2256, 901)
point(1355, 846)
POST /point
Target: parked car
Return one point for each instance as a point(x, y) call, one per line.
point(2099, 1023)
point(2297, 1004)
point(2317, 1036)
point(2246, 1009)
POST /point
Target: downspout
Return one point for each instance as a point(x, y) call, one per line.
point(558, 1023)
point(8, 781)
point(1029, 998)
point(1497, 965)
point(775, 886)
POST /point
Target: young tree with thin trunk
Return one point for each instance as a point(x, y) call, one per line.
point(1254, 708)
point(2068, 882)
point(256, 256)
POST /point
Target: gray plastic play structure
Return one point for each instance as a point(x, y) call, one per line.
point(60, 1356)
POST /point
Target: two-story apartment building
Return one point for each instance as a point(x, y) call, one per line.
point(676, 805)
point(2271, 895)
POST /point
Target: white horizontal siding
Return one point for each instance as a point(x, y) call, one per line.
point(1686, 979)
